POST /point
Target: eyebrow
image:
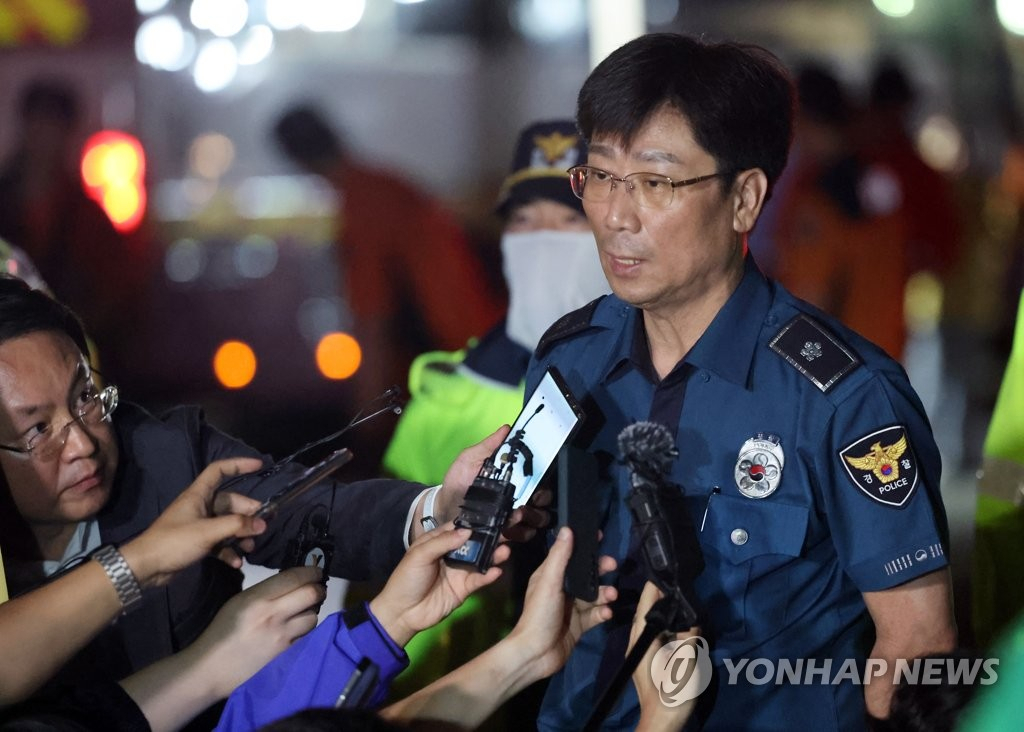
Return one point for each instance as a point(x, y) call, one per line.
point(657, 156)
point(82, 373)
point(645, 156)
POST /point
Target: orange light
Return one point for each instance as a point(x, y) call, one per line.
point(234, 364)
point(113, 171)
point(338, 355)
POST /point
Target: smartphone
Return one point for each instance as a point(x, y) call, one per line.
point(298, 487)
point(549, 418)
point(578, 508)
point(511, 475)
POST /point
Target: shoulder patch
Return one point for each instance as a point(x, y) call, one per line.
point(882, 465)
point(569, 324)
point(814, 351)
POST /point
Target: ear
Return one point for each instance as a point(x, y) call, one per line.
point(749, 192)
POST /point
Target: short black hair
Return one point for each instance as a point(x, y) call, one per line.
point(822, 97)
point(332, 720)
point(306, 137)
point(24, 311)
point(738, 98)
point(890, 85)
point(936, 706)
point(50, 98)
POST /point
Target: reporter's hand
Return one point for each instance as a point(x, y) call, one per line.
point(256, 625)
point(197, 522)
point(423, 590)
point(462, 473)
point(522, 523)
point(552, 623)
point(655, 716)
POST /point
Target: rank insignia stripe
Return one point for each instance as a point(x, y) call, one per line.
point(882, 465)
point(814, 351)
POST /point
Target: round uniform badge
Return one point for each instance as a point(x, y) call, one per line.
point(759, 466)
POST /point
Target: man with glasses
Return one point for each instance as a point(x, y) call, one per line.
point(804, 456)
point(79, 479)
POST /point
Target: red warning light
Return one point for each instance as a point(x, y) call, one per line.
point(113, 169)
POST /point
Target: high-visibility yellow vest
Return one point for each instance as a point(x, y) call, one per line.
point(997, 593)
point(451, 408)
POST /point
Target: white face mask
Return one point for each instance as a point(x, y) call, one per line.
point(549, 273)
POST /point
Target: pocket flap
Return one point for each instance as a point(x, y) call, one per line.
point(742, 528)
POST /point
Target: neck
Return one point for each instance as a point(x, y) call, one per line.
point(672, 331)
point(51, 540)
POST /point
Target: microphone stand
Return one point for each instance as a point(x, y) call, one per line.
point(663, 616)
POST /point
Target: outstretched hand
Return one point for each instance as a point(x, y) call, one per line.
point(552, 623)
point(199, 521)
point(423, 590)
point(256, 625)
point(522, 523)
point(656, 716)
point(251, 628)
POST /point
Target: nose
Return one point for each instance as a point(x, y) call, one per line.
point(77, 441)
point(620, 210)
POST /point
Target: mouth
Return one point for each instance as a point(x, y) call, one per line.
point(86, 484)
point(622, 265)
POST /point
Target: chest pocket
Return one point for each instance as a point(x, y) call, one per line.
point(740, 529)
point(747, 544)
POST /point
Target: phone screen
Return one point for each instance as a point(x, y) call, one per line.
point(549, 417)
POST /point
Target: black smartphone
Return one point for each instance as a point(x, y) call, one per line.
point(578, 509)
point(298, 487)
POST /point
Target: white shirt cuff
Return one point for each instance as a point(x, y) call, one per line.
point(428, 508)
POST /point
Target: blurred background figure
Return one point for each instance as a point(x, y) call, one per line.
point(840, 239)
point(45, 212)
point(922, 194)
point(551, 267)
point(408, 275)
point(550, 263)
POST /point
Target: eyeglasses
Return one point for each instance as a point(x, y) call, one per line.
point(93, 408)
point(649, 190)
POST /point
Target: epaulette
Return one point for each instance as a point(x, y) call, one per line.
point(567, 325)
point(814, 351)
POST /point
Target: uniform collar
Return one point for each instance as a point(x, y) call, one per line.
point(727, 346)
point(498, 357)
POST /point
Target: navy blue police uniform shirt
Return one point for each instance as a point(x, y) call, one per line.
point(811, 474)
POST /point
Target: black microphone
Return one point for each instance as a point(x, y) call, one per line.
point(667, 536)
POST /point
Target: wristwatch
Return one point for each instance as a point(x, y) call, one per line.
point(129, 592)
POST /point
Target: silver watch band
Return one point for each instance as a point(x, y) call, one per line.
point(129, 592)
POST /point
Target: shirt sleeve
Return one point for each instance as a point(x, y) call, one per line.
point(368, 524)
point(314, 671)
point(881, 472)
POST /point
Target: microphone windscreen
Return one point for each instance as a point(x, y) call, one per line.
point(649, 444)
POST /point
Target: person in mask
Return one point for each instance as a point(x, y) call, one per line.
point(551, 267)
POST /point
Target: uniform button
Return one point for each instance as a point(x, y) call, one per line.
point(739, 537)
point(706, 377)
point(771, 320)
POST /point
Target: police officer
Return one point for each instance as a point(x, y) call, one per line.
point(805, 456)
point(550, 267)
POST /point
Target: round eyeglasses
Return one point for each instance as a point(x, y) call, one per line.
point(649, 190)
point(93, 408)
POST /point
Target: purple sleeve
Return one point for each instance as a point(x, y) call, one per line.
point(313, 671)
